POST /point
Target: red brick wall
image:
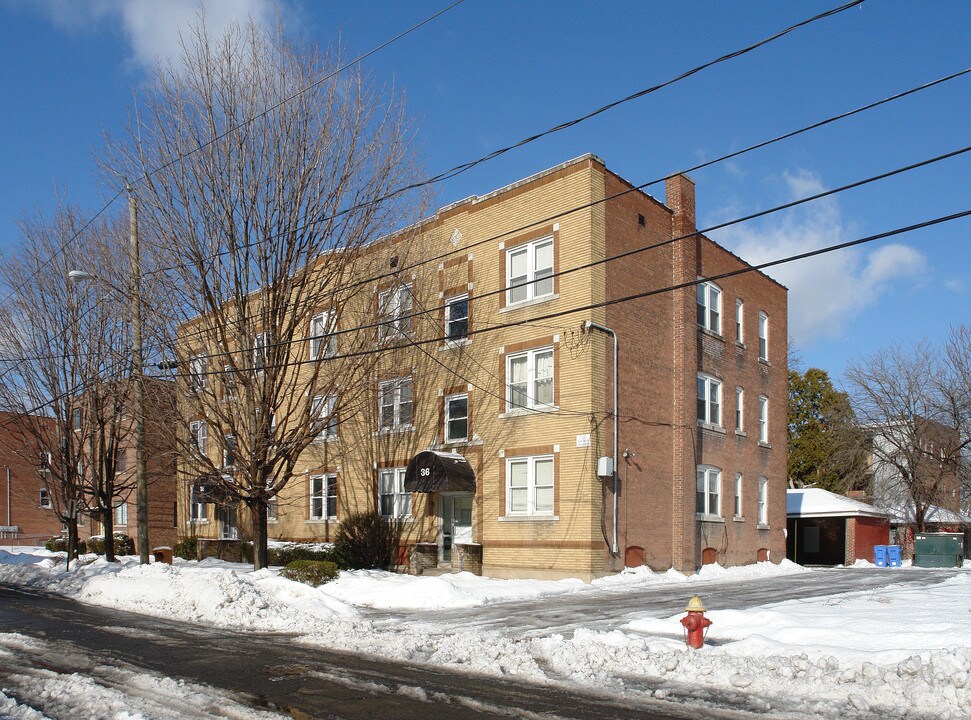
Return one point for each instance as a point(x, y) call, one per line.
point(868, 532)
point(18, 451)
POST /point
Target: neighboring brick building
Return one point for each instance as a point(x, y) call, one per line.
point(522, 388)
point(26, 506)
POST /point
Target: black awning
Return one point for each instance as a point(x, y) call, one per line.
point(433, 471)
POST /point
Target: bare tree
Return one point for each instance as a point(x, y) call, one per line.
point(69, 368)
point(916, 403)
point(263, 176)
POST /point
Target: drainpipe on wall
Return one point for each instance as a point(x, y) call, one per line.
point(8, 494)
point(590, 325)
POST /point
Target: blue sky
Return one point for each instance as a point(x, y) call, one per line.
point(489, 73)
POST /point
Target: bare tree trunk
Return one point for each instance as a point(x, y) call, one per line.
point(261, 553)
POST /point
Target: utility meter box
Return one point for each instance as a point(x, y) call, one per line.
point(605, 467)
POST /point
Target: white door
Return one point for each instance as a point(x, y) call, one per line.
point(462, 520)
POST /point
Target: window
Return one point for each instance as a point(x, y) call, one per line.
point(229, 451)
point(529, 377)
point(323, 340)
point(78, 418)
point(324, 416)
point(457, 318)
point(197, 508)
point(323, 497)
point(197, 373)
point(707, 501)
point(394, 307)
point(763, 419)
point(45, 462)
point(456, 418)
point(260, 351)
point(529, 271)
point(738, 495)
point(710, 307)
point(739, 409)
point(763, 505)
point(121, 513)
point(392, 498)
point(529, 485)
point(396, 404)
point(739, 321)
point(271, 508)
point(121, 461)
point(199, 435)
point(45, 498)
point(229, 383)
point(709, 400)
point(763, 336)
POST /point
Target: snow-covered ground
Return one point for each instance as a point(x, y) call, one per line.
point(902, 651)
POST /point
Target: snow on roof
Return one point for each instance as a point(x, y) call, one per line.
point(816, 502)
point(905, 515)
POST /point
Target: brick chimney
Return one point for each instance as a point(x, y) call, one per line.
point(681, 199)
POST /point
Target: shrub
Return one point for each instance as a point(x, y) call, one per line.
point(58, 543)
point(124, 545)
point(311, 572)
point(186, 548)
point(246, 552)
point(366, 540)
point(287, 554)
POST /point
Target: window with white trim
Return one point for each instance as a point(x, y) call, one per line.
point(230, 392)
point(392, 498)
point(323, 497)
point(323, 339)
point(707, 500)
point(529, 485)
point(45, 498)
point(739, 321)
point(763, 419)
point(323, 415)
point(261, 351)
point(763, 336)
point(529, 379)
point(199, 434)
point(271, 508)
point(78, 418)
point(197, 508)
point(529, 271)
point(395, 310)
point(197, 373)
point(457, 318)
point(457, 418)
point(710, 306)
point(121, 513)
point(740, 409)
point(738, 495)
point(709, 400)
point(763, 501)
point(395, 404)
point(229, 451)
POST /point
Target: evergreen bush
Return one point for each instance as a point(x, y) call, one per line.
point(310, 572)
point(367, 541)
point(186, 548)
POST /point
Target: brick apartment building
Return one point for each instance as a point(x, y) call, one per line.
point(530, 286)
point(26, 507)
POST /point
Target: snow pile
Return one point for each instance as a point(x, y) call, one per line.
point(714, 572)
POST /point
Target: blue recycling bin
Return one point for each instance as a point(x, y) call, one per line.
point(893, 555)
point(880, 555)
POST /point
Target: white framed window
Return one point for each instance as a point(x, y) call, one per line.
point(708, 500)
point(324, 416)
point(229, 451)
point(261, 351)
point(529, 271)
point(395, 308)
point(197, 508)
point(738, 495)
point(739, 321)
point(45, 498)
point(121, 461)
point(197, 373)
point(763, 501)
point(529, 379)
point(121, 514)
point(395, 404)
point(323, 497)
point(456, 418)
point(457, 318)
point(271, 508)
point(199, 435)
point(529, 485)
point(710, 307)
point(78, 419)
point(230, 391)
point(763, 336)
point(763, 419)
point(392, 498)
point(739, 409)
point(323, 339)
point(709, 400)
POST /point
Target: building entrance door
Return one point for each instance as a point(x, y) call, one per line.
point(456, 517)
point(227, 517)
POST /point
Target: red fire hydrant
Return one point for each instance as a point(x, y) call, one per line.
point(695, 623)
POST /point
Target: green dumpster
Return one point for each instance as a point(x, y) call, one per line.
point(938, 549)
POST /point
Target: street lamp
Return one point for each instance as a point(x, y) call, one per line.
point(134, 255)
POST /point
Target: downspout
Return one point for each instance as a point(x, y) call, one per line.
point(8, 494)
point(589, 324)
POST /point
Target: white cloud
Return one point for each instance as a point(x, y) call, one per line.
point(828, 291)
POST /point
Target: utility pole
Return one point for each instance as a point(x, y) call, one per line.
point(141, 494)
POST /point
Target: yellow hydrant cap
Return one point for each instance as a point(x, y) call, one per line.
point(695, 605)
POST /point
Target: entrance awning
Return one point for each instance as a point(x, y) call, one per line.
point(433, 471)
